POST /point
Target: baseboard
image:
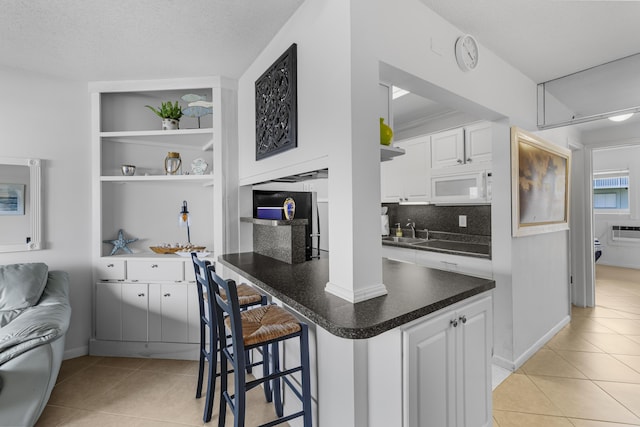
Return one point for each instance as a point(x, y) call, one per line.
point(154, 350)
point(541, 342)
point(514, 365)
point(72, 353)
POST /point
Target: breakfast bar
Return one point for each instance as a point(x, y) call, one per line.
point(390, 360)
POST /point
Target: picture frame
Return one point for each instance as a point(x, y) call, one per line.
point(540, 184)
point(277, 106)
point(12, 199)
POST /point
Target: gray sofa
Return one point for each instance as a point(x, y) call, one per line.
point(34, 318)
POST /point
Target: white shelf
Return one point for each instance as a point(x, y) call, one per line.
point(388, 153)
point(200, 138)
point(207, 180)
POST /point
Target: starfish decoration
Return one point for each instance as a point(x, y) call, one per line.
point(120, 243)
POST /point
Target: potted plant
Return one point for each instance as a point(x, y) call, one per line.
point(169, 113)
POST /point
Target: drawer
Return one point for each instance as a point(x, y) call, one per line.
point(110, 269)
point(153, 270)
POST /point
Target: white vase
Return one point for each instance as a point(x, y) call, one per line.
point(170, 124)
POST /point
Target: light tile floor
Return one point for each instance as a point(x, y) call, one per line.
point(113, 391)
point(588, 375)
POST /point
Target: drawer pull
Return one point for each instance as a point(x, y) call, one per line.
point(463, 319)
point(110, 265)
point(167, 295)
point(154, 265)
point(141, 295)
point(454, 323)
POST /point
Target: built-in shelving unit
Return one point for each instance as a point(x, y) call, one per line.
point(145, 303)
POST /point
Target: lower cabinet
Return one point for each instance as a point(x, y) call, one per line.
point(447, 368)
point(153, 312)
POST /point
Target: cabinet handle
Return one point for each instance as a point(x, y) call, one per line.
point(454, 323)
point(459, 161)
point(167, 295)
point(469, 160)
point(463, 319)
point(140, 295)
point(109, 265)
point(154, 265)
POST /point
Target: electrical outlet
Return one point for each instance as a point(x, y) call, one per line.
point(462, 220)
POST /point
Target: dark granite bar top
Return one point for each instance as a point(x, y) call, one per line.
point(413, 292)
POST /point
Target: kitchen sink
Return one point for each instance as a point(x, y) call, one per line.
point(409, 240)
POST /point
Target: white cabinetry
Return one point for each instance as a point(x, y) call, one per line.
point(447, 368)
point(463, 146)
point(461, 165)
point(406, 177)
point(147, 312)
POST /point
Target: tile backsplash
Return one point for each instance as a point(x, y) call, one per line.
point(442, 218)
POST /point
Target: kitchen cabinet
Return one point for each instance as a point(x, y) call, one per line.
point(447, 367)
point(467, 146)
point(406, 177)
point(147, 312)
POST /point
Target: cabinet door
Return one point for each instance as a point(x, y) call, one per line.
point(477, 143)
point(173, 312)
point(416, 171)
point(134, 311)
point(193, 312)
point(109, 311)
point(430, 367)
point(447, 148)
point(406, 177)
point(474, 341)
point(391, 179)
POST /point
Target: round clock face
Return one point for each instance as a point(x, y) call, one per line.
point(467, 52)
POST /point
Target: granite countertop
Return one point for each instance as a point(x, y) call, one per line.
point(413, 292)
point(451, 243)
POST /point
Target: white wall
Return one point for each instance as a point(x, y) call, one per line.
point(48, 118)
point(619, 253)
point(403, 54)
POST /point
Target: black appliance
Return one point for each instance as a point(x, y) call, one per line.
point(306, 208)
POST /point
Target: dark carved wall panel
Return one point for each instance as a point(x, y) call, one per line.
point(276, 107)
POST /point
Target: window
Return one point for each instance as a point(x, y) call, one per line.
point(611, 191)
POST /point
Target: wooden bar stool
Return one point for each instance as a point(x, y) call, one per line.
point(268, 325)
point(247, 297)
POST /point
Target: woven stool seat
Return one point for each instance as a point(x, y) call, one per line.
point(246, 295)
point(266, 323)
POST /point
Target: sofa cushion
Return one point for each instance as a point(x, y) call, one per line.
point(21, 285)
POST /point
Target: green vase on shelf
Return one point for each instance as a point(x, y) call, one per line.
point(386, 134)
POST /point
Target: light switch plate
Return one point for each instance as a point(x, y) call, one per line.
point(462, 220)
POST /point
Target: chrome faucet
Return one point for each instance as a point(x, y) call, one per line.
point(412, 225)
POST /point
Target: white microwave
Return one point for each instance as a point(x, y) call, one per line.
point(470, 187)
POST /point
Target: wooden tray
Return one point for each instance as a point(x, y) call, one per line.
point(163, 250)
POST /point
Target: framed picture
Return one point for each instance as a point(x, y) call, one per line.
point(539, 183)
point(277, 106)
point(12, 199)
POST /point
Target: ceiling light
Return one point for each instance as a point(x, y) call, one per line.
point(621, 117)
point(397, 92)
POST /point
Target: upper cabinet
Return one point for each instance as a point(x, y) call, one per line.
point(406, 178)
point(467, 146)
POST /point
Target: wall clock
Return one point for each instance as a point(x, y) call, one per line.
point(467, 52)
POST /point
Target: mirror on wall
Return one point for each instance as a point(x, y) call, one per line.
point(20, 204)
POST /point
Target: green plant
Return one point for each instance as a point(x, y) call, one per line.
point(168, 110)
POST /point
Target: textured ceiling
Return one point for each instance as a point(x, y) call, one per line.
point(124, 39)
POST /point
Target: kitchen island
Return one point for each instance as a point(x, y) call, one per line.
point(396, 360)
